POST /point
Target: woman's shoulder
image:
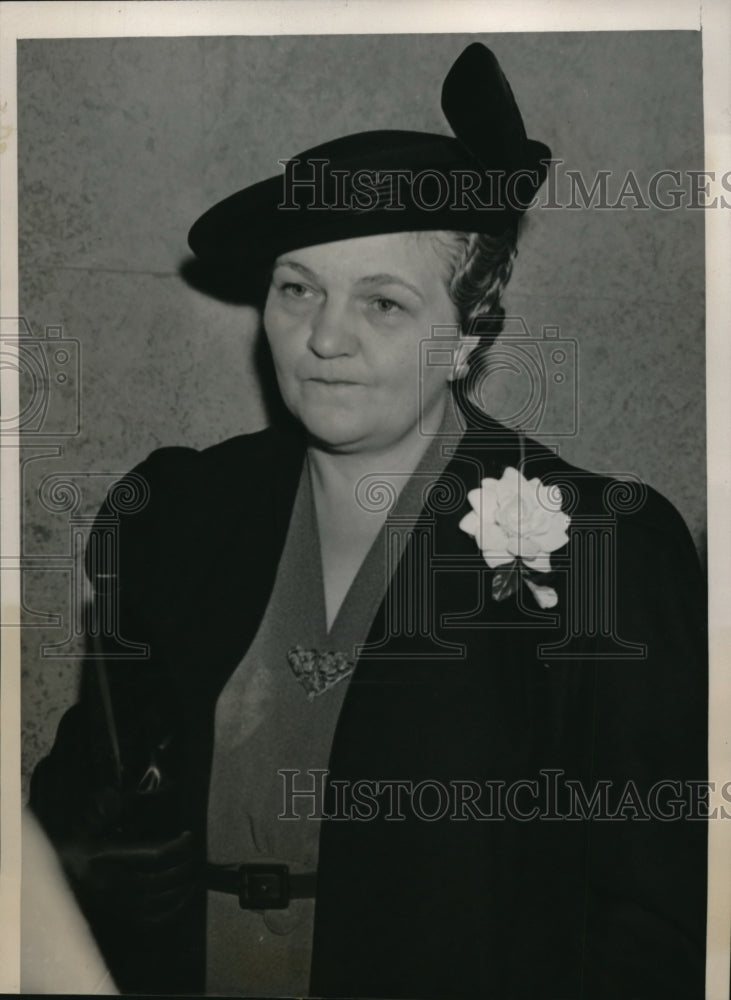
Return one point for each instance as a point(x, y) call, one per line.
point(180, 501)
point(590, 497)
point(623, 496)
point(181, 471)
point(624, 499)
point(178, 488)
point(181, 460)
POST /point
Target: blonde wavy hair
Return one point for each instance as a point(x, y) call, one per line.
point(480, 267)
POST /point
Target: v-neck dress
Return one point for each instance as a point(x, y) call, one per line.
point(268, 722)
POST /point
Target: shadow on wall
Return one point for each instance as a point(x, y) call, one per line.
point(241, 289)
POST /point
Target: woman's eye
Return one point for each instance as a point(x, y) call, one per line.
point(387, 307)
point(294, 290)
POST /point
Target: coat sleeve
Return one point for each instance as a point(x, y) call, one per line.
point(121, 676)
point(113, 806)
point(646, 861)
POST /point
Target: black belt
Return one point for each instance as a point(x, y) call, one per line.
point(261, 887)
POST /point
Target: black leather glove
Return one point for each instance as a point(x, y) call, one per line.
point(121, 868)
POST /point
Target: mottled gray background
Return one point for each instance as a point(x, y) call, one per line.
point(124, 142)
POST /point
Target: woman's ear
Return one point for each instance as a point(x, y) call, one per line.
point(467, 345)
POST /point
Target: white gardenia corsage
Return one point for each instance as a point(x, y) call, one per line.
point(517, 523)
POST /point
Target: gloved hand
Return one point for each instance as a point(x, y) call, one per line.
point(143, 878)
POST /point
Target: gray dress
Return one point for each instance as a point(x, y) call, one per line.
point(268, 721)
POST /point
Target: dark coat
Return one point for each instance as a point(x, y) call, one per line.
point(607, 690)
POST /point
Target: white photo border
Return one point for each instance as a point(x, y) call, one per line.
point(20, 20)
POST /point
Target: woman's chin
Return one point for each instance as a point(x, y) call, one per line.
point(345, 435)
point(335, 427)
point(336, 438)
point(343, 426)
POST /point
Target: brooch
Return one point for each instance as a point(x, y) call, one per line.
point(317, 672)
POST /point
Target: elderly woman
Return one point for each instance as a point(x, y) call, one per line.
point(397, 703)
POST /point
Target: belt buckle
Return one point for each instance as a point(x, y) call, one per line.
point(263, 887)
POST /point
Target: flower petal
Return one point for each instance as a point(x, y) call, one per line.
point(470, 522)
point(541, 562)
point(510, 485)
point(554, 538)
point(488, 489)
point(511, 476)
point(534, 486)
point(545, 596)
point(475, 498)
point(493, 558)
point(484, 500)
point(492, 537)
point(523, 547)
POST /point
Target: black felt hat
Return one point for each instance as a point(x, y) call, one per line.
point(480, 180)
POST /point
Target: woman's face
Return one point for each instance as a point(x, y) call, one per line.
point(345, 321)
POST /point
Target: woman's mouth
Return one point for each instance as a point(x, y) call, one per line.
point(334, 382)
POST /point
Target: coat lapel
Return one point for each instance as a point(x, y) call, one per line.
point(449, 688)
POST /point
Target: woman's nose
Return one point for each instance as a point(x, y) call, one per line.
point(331, 333)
